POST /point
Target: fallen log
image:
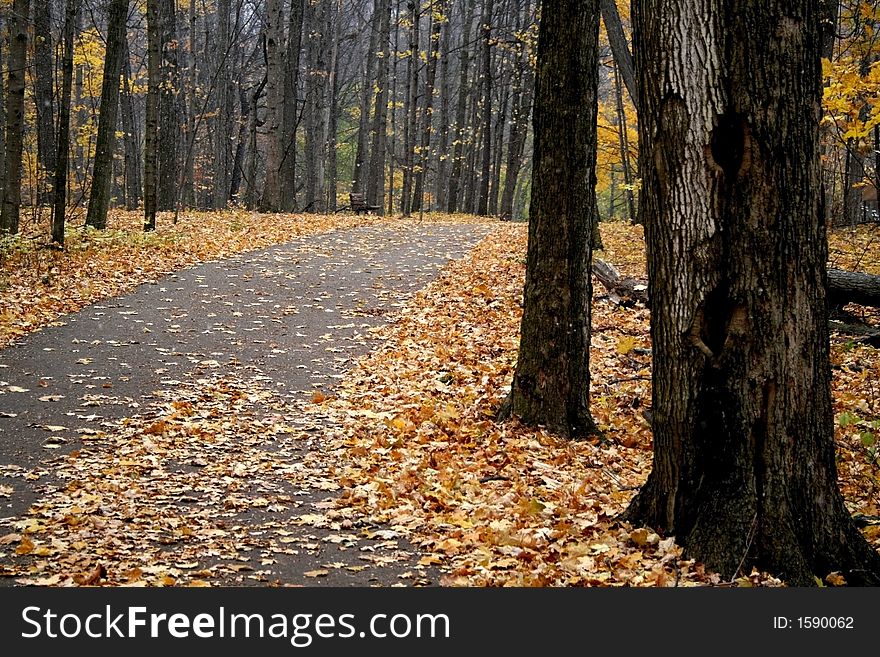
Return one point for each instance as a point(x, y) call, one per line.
point(622, 291)
point(852, 287)
point(843, 286)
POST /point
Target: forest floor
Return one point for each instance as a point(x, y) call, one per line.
point(382, 463)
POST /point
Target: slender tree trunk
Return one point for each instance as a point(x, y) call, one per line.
point(379, 129)
point(461, 111)
point(274, 30)
point(361, 168)
point(188, 192)
point(411, 110)
point(221, 184)
point(290, 116)
point(619, 48)
point(551, 381)
point(169, 109)
point(441, 183)
point(151, 138)
point(43, 95)
point(99, 200)
point(623, 142)
point(63, 146)
point(428, 105)
point(486, 166)
point(331, 114)
point(131, 137)
point(744, 460)
point(522, 104)
point(316, 99)
point(2, 127)
point(18, 38)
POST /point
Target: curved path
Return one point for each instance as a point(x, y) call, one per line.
point(169, 395)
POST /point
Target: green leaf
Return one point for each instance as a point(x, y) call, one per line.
point(847, 419)
point(868, 438)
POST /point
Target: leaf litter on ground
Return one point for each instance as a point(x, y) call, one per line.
point(408, 445)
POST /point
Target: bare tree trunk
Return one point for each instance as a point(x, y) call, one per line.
point(18, 38)
point(379, 129)
point(461, 111)
point(619, 48)
point(221, 183)
point(410, 108)
point(316, 100)
point(151, 137)
point(99, 200)
point(169, 114)
point(522, 104)
point(43, 95)
point(131, 137)
point(361, 168)
point(486, 168)
point(551, 381)
point(441, 184)
point(744, 471)
point(290, 115)
point(623, 141)
point(428, 105)
point(331, 113)
point(274, 32)
point(63, 146)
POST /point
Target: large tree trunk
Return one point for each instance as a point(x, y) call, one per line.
point(43, 97)
point(551, 385)
point(99, 200)
point(744, 472)
point(18, 37)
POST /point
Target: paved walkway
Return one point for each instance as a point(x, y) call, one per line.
point(274, 327)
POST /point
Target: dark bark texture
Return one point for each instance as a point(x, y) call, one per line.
point(744, 464)
point(551, 385)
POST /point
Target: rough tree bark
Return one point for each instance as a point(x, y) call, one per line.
point(43, 93)
point(619, 47)
point(131, 137)
point(437, 9)
point(379, 128)
point(274, 53)
point(99, 199)
point(169, 115)
point(551, 384)
point(290, 116)
point(486, 118)
point(523, 82)
point(744, 466)
point(461, 111)
point(63, 146)
point(18, 38)
point(151, 128)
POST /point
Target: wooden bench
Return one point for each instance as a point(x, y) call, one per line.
point(359, 203)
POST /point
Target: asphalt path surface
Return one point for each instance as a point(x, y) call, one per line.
point(292, 318)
